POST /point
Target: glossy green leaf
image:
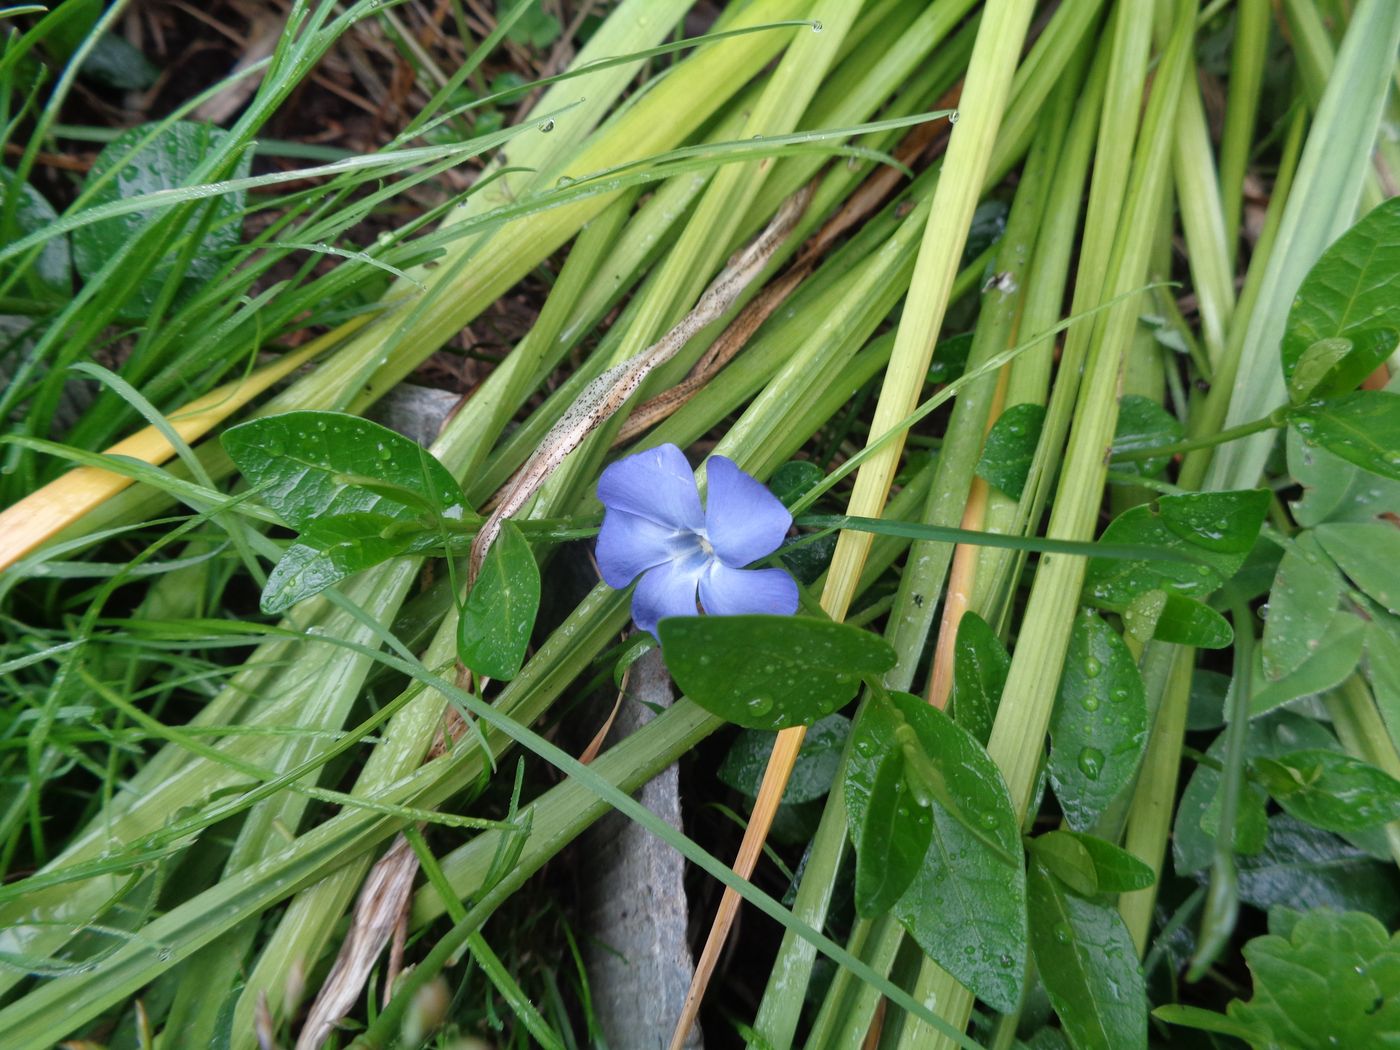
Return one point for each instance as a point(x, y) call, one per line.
point(1334, 489)
point(328, 551)
point(1010, 447)
point(1305, 867)
point(300, 463)
point(1349, 288)
point(1302, 604)
point(980, 666)
point(1331, 790)
point(966, 906)
point(1089, 966)
point(812, 773)
point(1065, 857)
point(1362, 428)
point(795, 479)
point(168, 162)
point(1208, 689)
point(1099, 726)
point(894, 839)
point(494, 629)
point(50, 276)
point(1370, 554)
point(1116, 870)
point(1340, 364)
point(1330, 983)
point(1335, 657)
point(770, 672)
point(1174, 618)
point(950, 358)
point(1212, 534)
point(1193, 844)
point(1144, 424)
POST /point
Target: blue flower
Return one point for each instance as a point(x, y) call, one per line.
point(654, 528)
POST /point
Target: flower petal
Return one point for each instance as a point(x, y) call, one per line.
point(667, 590)
point(657, 485)
point(732, 592)
point(629, 545)
point(744, 521)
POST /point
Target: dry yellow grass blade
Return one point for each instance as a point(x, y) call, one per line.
point(43, 514)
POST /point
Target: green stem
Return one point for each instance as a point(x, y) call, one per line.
point(1274, 420)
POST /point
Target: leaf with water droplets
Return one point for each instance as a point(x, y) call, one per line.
point(894, 838)
point(1099, 725)
point(1210, 533)
point(1340, 364)
point(1333, 489)
point(1144, 424)
point(770, 672)
point(1362, 427)
point(1331, 790)
point(1089, 865)
point(980, 666)
point(1370, 554)
point(1335, 657)
point(167, 162)
point(1330, 983)
point(1172, 618)
point(305, 465)
point(1089, 966)
point(812, 774)
point(966, 905)
point(1010, 447)
point(1302, 604)
point(494, 629)
point(331, 550)
point(1350, 288)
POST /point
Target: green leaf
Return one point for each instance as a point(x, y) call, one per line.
point(966, 906)
point(1333, 489)
point(1383, 661)
point(1144, 424)
point(1099, 726)
point(980, 666)
point(1212, 532)
point(166, 163)
point(1208, 689)
point(894, 839)
point(794, 479)
point(812, 774)
point(328, 551)
point(1006, 457)
point(1065, 857)
point(1340, 364)
point(1089, 966)
point(1193, 844)
point(1349, 288)
point(1116, 870)
point(770, 672)
point(1251, 820)
point(50, 277)
point(1362, 427)
point(300, 461)
point(1302, 604)
point(494, 629)
point(950, 359)
point(1172, 618)
point(1331, 983)
point(1331, 790)
point(1335, 657)
point(1305, 867)
point(1370, 554)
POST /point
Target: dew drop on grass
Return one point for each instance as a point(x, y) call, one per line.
point(953, 117)
point(547, 126)
point(816, 27)
point(1091, 762)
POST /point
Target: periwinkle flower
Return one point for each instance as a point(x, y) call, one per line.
point(655, 528)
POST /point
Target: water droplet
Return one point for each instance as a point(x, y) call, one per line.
point(988, 820)
point(1092, 667)
point(953, 117)
point(1089, 702)
point(761, 705)
point(1091, 762)
point(1062, 932)
point(1264, 611)
point(384, 453)
point(1118, 695)
point(706, 660)
point(321, 425)
point(547, 126)
point(565, 180)
point(816, 26)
